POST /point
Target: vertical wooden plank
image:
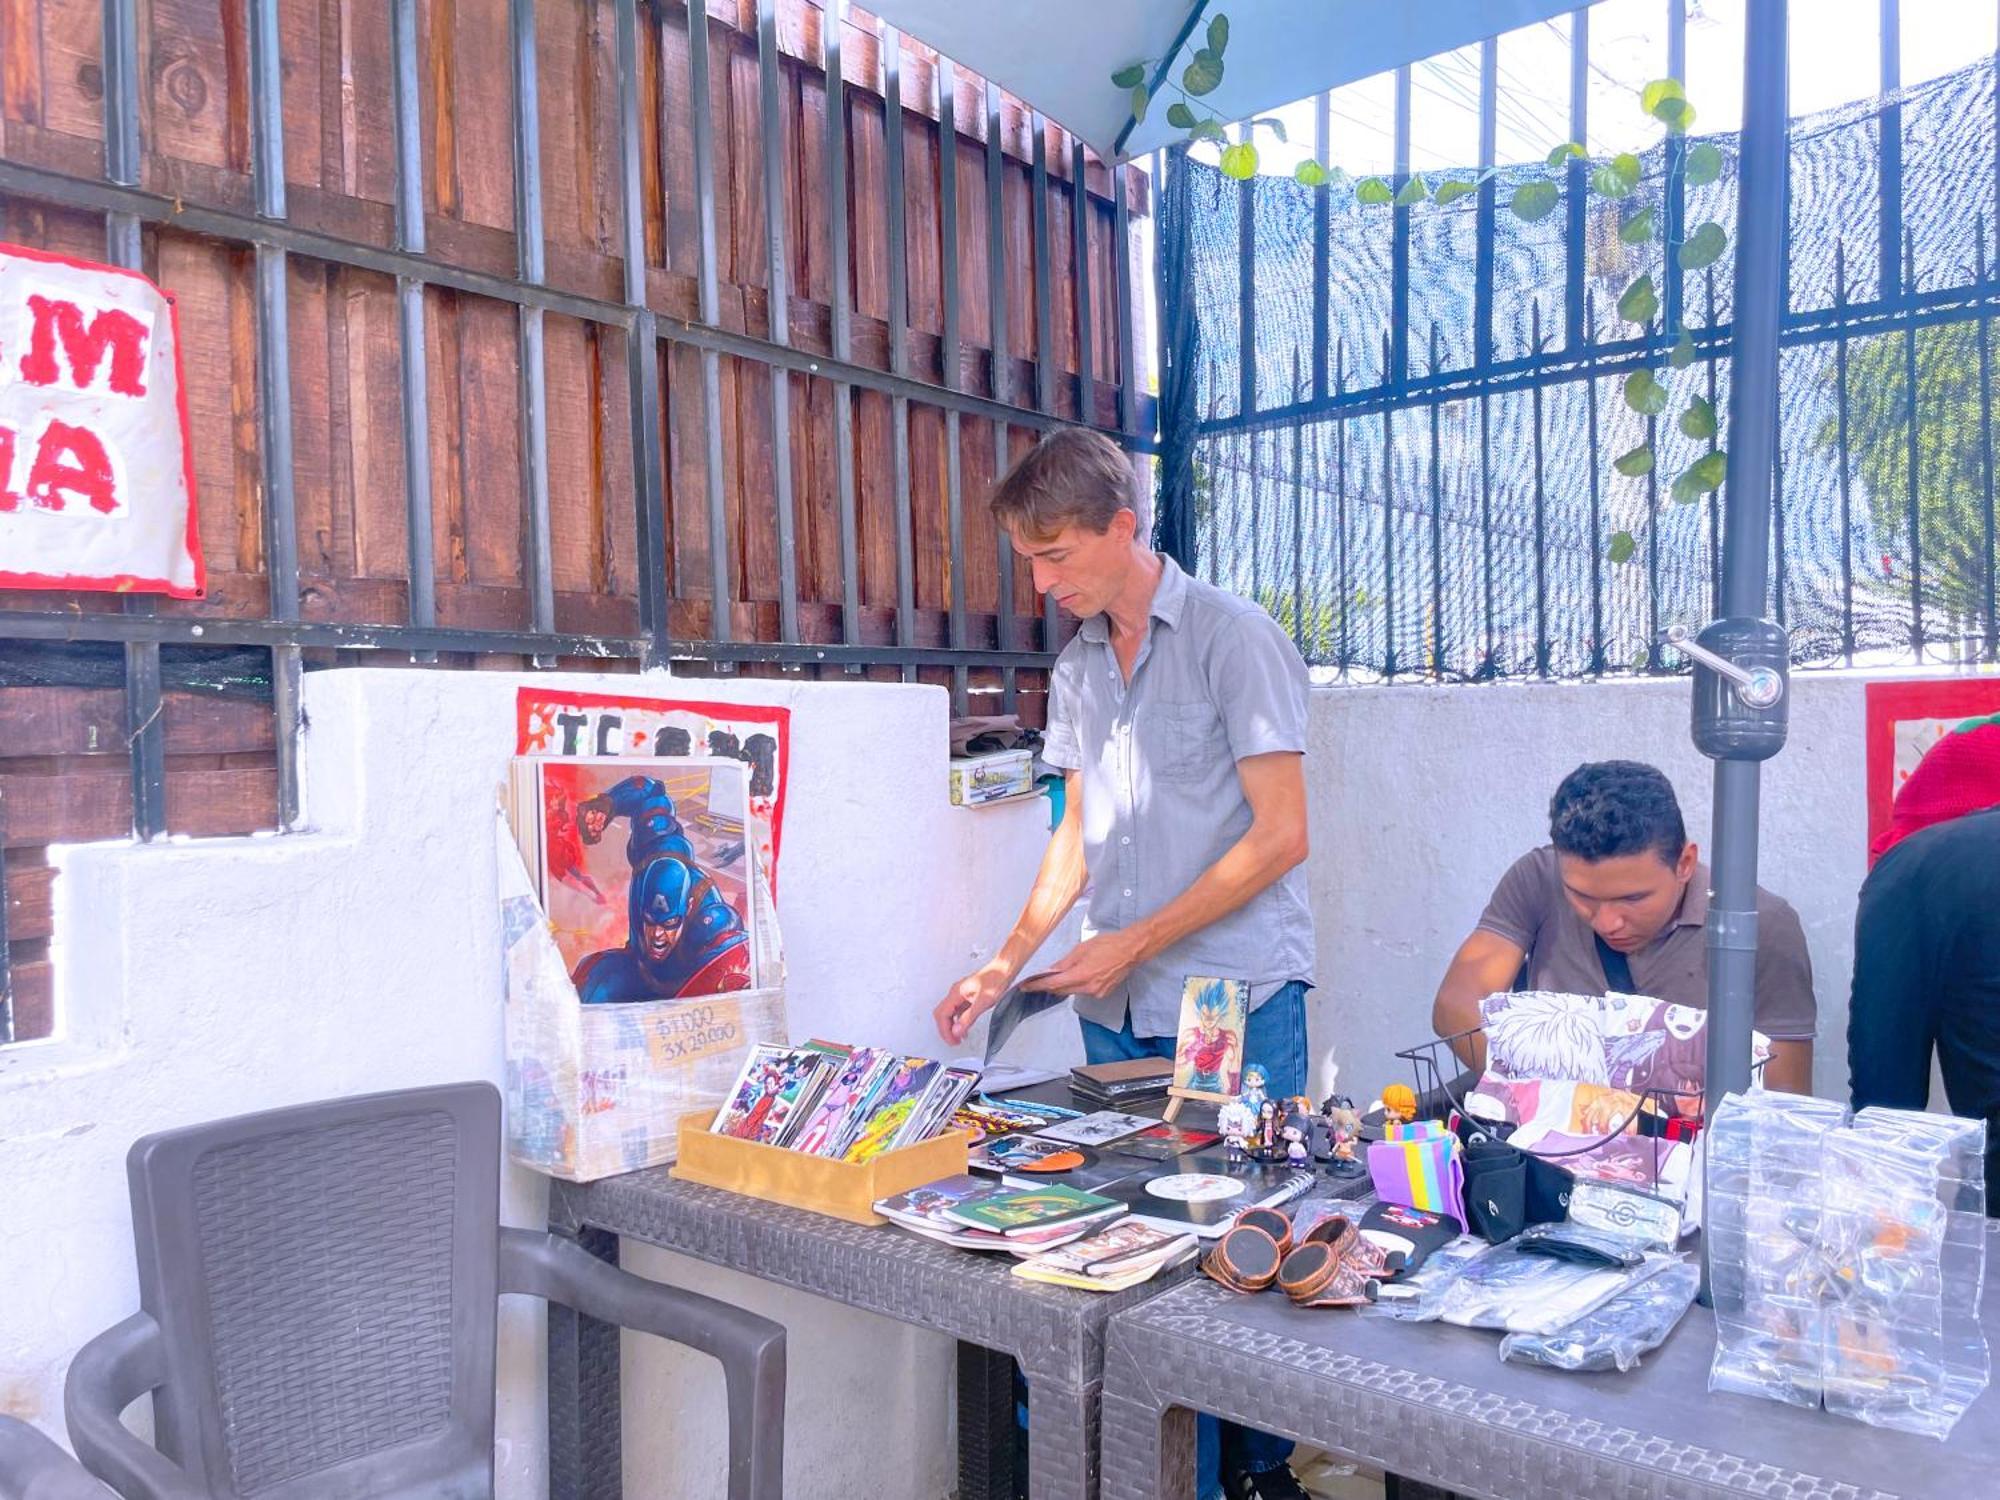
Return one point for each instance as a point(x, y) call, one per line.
point(576, 521)
point(187, 88)
point(21, 51)
point(73, 68)
point(489, 442)
point(319, 555)
point(482, 109)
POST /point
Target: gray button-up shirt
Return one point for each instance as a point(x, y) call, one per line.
point(1215, 680)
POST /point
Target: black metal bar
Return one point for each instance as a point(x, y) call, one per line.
point(1676, 184)
point(1989, 559)
point(1298, 526)
point(1489, 662)
point(1910, 463)
point(833, 23)
point(1246, 293)
point(996, 315)
point(779, 310)
point(1846, 464)
point(891, 45)
point(1322, 244)
point(1437, 530)
point(708, 295)
point(412, 240)
point(1541, 516)
point(1941, 305)
point(1079, 214)
point(1714, 501)
point(1778, 522)
point(642, 356)
point(1653, 640)
point(1597, 652)
point(1396, 367)
point(950, 354)
point(530, 265)
point(1128, 334)
point(1486, 233)
point(1889, 148)
point(1577, 195)
point(1388, 529)
point(1045, 362)
point(1346, 588)
point(1162, 67)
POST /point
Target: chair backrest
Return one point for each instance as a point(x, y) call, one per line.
point(325, 1278)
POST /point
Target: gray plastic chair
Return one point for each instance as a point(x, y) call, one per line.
point(318, 1290)
point(33, 1468)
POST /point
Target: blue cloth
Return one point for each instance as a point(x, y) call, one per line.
point(1275, 1040)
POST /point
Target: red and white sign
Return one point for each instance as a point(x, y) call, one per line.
point(96, 478)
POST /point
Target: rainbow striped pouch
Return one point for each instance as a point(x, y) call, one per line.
point(1418, 1166)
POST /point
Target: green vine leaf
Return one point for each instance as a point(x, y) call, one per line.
point(1180, 116)
point(1373, 190)
point(1700, 477)
point(1622, 547)
point(1698, 421)
point(1658, 92)
point(1703, 247)
point(1638, 229)
point(1683, 352)
point(1271, 123)
point(1203, 75)
point(1412, 192)
point(1208, 130)
point(1644, 393)
point(1636, 464)
point(1704, 164)
point(1309, 174)
point(1451, 192)
point(1535, 201)
point(1239, 161)
point(1677, 115)
point(1218, 34)
point(1130, 77)
point(1640, 302)
point(1563, 153)
point(1617, 178)
point(1140, 99)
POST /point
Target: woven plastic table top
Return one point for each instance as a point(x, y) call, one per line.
point(1055, 1332)
point(1433, 1402)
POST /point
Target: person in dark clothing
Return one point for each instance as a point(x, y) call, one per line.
point(1927, 943)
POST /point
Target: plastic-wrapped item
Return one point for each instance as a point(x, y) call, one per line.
point(1614, 1337)
point(1509, 1288)
point(1847, 1260)
point(1418, 1296)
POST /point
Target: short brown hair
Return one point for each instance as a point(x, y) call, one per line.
point(1072, 477)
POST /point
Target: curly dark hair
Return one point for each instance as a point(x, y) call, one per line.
point(1611, 808)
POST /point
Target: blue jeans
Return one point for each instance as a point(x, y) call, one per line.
point(1275, 1040)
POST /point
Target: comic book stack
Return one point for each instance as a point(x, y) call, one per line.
point(847, 1103)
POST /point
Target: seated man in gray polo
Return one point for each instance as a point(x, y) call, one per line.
point(1178, 714)
point(1617, 900)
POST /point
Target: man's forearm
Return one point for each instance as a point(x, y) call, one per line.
point(1058, 883)
point(1247, 867)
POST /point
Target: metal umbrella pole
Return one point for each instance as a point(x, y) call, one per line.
point(1740, 699)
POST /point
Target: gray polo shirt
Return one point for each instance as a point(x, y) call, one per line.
point(1215, 680)
point(1531, 910)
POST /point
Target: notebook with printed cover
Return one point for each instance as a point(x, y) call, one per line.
point(1203, 1195)
point(925, 1206)
point(1019, 1213)
point(1097, 1129)
point(1127, 1245)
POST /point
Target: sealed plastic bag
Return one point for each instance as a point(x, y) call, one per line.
point(1614, 1337)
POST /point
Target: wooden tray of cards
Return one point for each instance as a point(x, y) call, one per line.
point(843, 1189)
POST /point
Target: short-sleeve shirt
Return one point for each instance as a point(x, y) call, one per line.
point(1215, 681)
point(1531, 910)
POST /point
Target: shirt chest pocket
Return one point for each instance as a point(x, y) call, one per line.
point(1189, 740)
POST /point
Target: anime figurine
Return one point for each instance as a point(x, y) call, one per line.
point(1253, 1094)
point(1295, 1143)
point(1399, 1103)
point(1237, 1124)
point(1266, 1149)
point(1345, 1122)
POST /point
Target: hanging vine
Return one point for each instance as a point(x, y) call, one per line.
point(1649, 390)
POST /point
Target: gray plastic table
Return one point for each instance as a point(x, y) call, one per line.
point(1056, 1333)
point(1434, 1403)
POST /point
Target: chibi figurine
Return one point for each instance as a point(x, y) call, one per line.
point(1238, 1123)
point(1254, 1094)
point(1295, 1144)
point(1345, 1122)
point(1399, 1103)
point(1266, 1148)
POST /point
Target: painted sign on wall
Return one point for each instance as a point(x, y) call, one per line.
point(96, 478)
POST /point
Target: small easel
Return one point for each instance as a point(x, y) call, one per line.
point(1237, 1018)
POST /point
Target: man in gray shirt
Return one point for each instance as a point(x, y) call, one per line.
point(1178, 715)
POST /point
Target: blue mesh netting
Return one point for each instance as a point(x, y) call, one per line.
point(1459, 520)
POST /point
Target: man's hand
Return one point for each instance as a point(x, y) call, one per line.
point(968, 1000)
point(1097, 966)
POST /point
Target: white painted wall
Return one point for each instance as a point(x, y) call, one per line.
point(202, 979)
point(1422, 796)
